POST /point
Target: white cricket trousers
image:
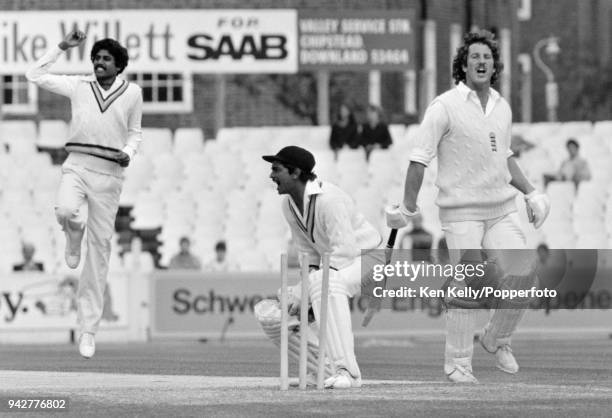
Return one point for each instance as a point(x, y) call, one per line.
point(100, 192)
point(493, 234)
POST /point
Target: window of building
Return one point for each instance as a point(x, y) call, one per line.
point(18, 95)
point(165, 92)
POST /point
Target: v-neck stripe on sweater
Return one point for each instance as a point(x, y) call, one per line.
point(104, 103)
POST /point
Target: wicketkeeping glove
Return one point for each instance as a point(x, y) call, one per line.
point(538, 206)
point(398, 216)
point(293, 298)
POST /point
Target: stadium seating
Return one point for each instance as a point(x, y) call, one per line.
point(21, 149)
point(156, 141)
point(220, 189)
point(188, 141)
point(12, 131)
point(148, 211)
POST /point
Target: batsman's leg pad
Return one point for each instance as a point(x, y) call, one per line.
point(524, 280)
point(459, 347)
point(454, 286)
point(502, 324)
point(268, 314)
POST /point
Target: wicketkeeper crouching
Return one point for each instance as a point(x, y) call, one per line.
point(322, 219)
point(268, 314)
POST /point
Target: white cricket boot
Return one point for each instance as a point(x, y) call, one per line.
point(505, 360)
point(87, 345)
point(461, 374)
point(503, 353)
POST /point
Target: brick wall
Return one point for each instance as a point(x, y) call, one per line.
point(445, 13)
point(243, 106)
point(247, 106)
point(574, 22)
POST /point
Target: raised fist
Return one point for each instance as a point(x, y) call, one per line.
point(73, 39)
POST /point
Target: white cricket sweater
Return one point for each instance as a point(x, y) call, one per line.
point(331, 223)
point(100, 118)
point(472, 147)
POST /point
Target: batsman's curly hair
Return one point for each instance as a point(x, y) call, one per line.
point(460, 60)
point(119, 53)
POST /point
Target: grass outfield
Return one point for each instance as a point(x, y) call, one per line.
point(403, 377)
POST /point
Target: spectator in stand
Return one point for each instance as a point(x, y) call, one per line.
point(575, 168)
point(221, 262)
point(418, 238)
point(184, 260)
point(375, 133)
point(28, 264)
point(344, 130)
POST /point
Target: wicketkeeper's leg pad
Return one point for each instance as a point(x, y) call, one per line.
point(268, 314)
point(340, 346)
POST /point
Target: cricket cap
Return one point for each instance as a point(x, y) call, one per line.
point(293, 156)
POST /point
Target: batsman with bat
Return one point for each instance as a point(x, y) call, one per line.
point(323, 219)
point(468, 129)
point(105, 133)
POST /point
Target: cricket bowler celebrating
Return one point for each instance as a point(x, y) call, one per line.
point(469, 128)
point(322, 218)
point(105, 132)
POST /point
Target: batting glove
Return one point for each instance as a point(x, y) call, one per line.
point(538, 207)
point(398, 216)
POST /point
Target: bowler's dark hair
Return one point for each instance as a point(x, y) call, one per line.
point(460, 60)
point(119, 53)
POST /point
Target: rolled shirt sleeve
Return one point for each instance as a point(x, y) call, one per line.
point(40, 75)
point(434, 126)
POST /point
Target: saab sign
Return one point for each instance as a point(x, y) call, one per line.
point(196, 41)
